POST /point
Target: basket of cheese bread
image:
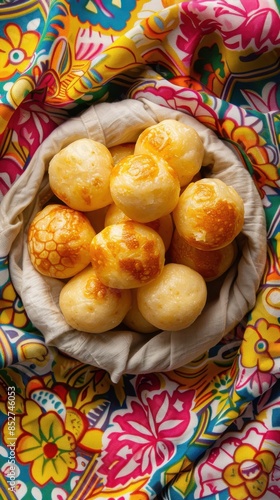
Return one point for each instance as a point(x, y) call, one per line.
point(140, 238)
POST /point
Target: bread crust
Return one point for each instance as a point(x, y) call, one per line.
point(127, 255)
point(59, 240)
point(209, 214)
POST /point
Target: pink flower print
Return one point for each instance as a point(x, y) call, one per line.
point(254, 381)
point(242, 24)
point(265, 102)
point(89, 43)
point(175, 97)
point(145, 436)
point(242, 464)
point(33, 121)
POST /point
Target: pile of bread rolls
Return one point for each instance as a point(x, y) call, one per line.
point(135, 231)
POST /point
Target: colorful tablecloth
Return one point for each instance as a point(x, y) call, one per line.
point(211, 429)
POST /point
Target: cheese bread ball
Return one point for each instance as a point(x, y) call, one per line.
point(163, 226)
point(127, 255)
point(59, 241)
point(144, 187)
point(179, 144)
point(135, 321)
point(79, 175)
point(90, 306)
point(119, 151)
point(209, 263)
point(114, 215)
point(209, 214)
point(175, 299)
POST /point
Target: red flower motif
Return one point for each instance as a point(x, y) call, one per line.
point(146, 436)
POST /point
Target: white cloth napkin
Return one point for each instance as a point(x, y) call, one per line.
point(121, 351)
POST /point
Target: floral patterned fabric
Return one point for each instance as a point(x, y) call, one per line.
point(210, 429)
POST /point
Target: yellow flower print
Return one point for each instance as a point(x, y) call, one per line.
point(47, 432)
point(254, 146)
point(49, 449)
point(247, 476)
point(16, 50)
point(131, 491)
point(74, 418)
point(35, 352)
point(261, 344)
point(11, 309)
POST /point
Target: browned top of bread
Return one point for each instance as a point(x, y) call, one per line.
point(127, 255)
point(209, 214)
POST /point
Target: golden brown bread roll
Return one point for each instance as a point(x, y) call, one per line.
point(79, 175)
point(163, 226)
point(209, 263)
point(90, 306)
point(144, 187)
point(175, 299)
point(127, 255)
point(179, 144)
point(59, 241)
point(114, 215)
point(209, 214)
